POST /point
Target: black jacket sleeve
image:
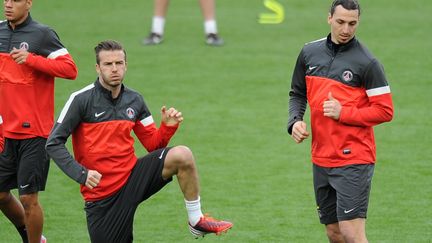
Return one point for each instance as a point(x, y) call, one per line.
point(68, 120)
point(297, 95)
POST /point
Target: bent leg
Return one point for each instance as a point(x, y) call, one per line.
point(33, 216)
point(180, 161)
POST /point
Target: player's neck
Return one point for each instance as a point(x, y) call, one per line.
point(14, 23)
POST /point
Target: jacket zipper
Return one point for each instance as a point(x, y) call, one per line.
point(330, 64)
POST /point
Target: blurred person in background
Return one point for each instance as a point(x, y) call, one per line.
point(159, 16)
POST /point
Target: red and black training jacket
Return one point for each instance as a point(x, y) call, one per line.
point(101, 137)
point(27, 90)
point(355, 78)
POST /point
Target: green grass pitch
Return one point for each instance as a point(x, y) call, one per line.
point(234, 100)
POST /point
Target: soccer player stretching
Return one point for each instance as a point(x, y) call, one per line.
point(113, 180)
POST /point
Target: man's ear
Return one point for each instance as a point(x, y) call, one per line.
point(97, 67)
point(29, 4)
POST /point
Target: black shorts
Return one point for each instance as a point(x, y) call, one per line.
point(110, 220)
point(342, 193)
point(24, 164)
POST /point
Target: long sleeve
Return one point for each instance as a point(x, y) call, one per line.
point(297, 95)
point(380, 110)
point(68, 120)
point(150, 136)
point(52, 57)
point(61, 66)
point(380, 106)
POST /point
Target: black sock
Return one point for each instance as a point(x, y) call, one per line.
point(23, 232)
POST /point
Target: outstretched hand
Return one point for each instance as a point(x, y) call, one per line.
point(171, 117)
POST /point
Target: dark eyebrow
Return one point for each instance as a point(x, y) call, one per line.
point(341, 20)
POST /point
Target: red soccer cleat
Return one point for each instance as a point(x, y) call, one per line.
point(207, 225)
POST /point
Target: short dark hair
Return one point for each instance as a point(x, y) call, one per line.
point(346, 4)
point(108, 45)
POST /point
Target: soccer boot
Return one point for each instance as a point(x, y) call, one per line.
point(153, 39)
point(207, 225)
point(214, 40)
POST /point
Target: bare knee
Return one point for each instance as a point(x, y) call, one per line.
point(178, 160)
point(29, 201)
point(353, 230)
point(335, 237)
point(182, 156)
point(334, 234)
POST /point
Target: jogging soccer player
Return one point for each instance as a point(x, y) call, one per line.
point(113, 180)
point(31, 57)
point(348, 94)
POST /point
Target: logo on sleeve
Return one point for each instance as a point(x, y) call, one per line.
point(312, 68)
point(347, 75)
point(130, 113)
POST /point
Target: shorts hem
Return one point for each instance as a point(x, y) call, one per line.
point(351, 217)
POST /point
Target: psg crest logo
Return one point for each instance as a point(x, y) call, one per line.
point(347, 76)
point(130, 113)
point(24, 46)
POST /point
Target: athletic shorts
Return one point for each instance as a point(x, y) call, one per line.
point(110, 220)
point(342, 193)
point(24, 164)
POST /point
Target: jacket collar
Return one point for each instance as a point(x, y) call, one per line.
point(106, 92)
point(23, 24)
point(339, 47)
